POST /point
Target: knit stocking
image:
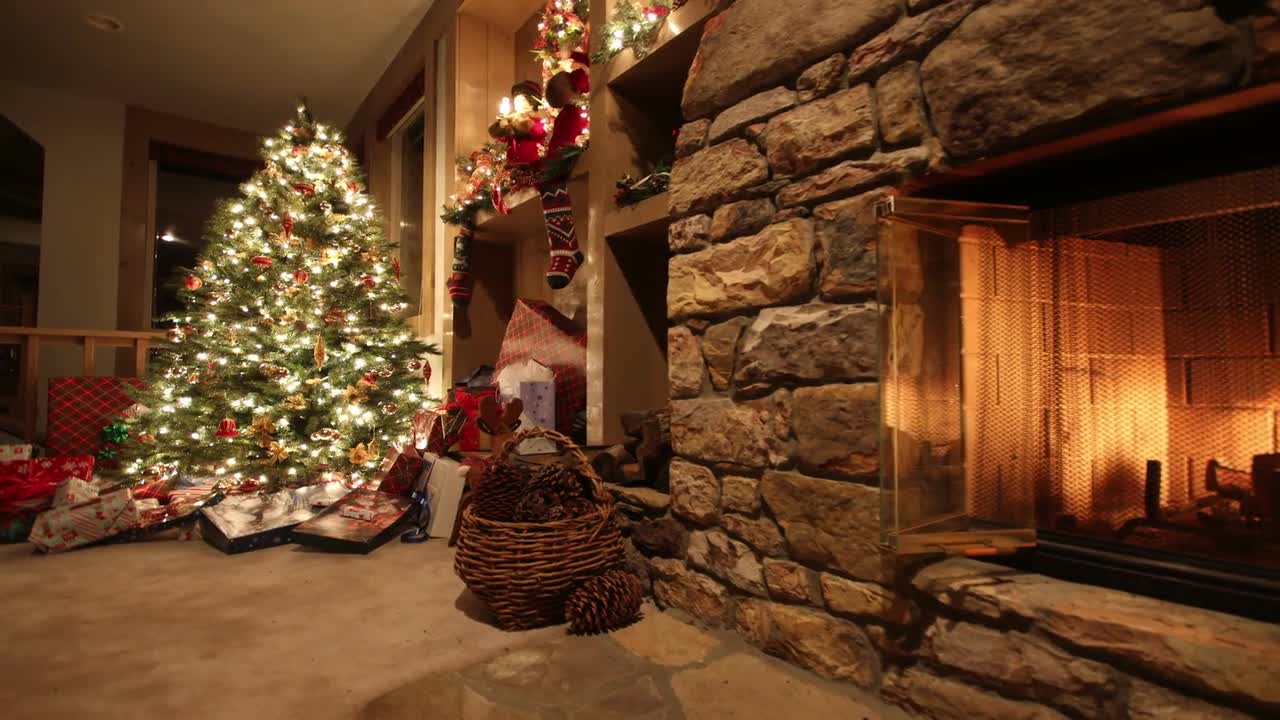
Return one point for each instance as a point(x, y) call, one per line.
point(557, 211)
point(459, 283)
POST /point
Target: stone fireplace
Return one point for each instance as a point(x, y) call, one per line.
point(904, 347)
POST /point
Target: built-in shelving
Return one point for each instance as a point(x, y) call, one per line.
point(667, 62)
point(647, 219)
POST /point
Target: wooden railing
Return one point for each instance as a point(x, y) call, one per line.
point(21, 418)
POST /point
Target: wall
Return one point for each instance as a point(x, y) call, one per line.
point(773, 523)
point(83, 141)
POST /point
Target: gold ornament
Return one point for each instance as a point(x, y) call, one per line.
point(326, 435)
point(389, 408)
point(277, 453)
point(370, 256)
point(262, 428)
point(295, 402)
point(385, 371)
point(329, 256)
point(275, 372)
point(355, 395)
point(319, 352)
point(312, 382)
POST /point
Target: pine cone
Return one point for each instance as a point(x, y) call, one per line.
point(604, 603)
point(538, 505)
point(564, 480)
point(501, 488)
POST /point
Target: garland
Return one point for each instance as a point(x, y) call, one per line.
point(629, 190)
point(634, 26)
point(562, 29)
point(487, 179)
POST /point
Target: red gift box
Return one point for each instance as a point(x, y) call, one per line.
point(79, 407)
point(539, 332)
point(468, 399)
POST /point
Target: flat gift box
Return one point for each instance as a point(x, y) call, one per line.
point(360, 522)
point(241, 523)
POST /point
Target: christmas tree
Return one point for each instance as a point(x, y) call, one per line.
point(292, 358)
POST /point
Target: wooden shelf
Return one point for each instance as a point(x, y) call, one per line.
point(660, 74)
point(526, 212)
point(646, 219)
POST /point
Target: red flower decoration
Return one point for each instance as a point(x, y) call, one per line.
point(305, 188)
point(193, 282)
point(262, 261)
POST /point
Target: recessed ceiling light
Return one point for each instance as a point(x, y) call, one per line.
point(103, 22)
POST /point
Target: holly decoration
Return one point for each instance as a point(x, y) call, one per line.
point(629, 190)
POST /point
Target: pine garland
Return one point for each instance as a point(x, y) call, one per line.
point(634, 25)
point(629, 190)
point(562, 29)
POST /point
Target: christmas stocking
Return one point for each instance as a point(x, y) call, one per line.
point(459, 283)
point(557, 211)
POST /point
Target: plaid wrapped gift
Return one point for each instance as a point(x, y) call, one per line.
point(79, 407)
point(400, 471)
point(539, 332)
point(72, 526)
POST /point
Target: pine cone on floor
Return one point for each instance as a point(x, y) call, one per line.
point(500, 490)
point(604, 603)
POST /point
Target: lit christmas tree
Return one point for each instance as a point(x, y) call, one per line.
point(292, 358)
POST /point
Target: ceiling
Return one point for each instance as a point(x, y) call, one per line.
point(239, 63)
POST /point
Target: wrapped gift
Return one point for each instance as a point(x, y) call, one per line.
point(9, 453)
point(446, 479)
point(74, 491)
point(360, 522)
point(28, 488)
point(80, 407)
point(401, 469)
point(256, 520)
point(534, 384)
point(539, 332)
point(72, 526)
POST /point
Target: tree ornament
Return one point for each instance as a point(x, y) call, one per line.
point(175, 335)
point(261, 427)
point(275, 372)
point(395, 267)
point(147, 439)
point(262, 261)
point(227, 429)
point(329, 256)
point(326, 207)
point(318, 353)
point(193, 378)
point(415, 364)
point(370, 255)
point(370, 378)
point(368, 281)
point(604, 603)
point(326, 435)
point(304, 188)
point(286, 225)
point(216, 297)
point(193, 282)
point(385, 371)
point(335, 317)
point(295, 402)
point(277, 453)
point(426, 371)
point(301, 276)
point(355, 394)
point(389, 408)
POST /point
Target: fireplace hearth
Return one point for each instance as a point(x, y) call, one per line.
point(1103, 375)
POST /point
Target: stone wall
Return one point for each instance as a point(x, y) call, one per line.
point(801, 115)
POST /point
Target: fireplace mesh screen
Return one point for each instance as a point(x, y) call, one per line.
point(1144, 409)
point(1115, 372)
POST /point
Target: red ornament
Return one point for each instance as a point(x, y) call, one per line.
point(368, 281)
point(395, 267)
point(227, 429)
point(371, 378)
point(147, 439)
point(426, 372)
point(304, 188)
point(301, 276)
point(262, 261)
point(287, 225)
point(353, 186)
point(193, 282)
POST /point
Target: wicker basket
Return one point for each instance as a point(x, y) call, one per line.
point(524, 571)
